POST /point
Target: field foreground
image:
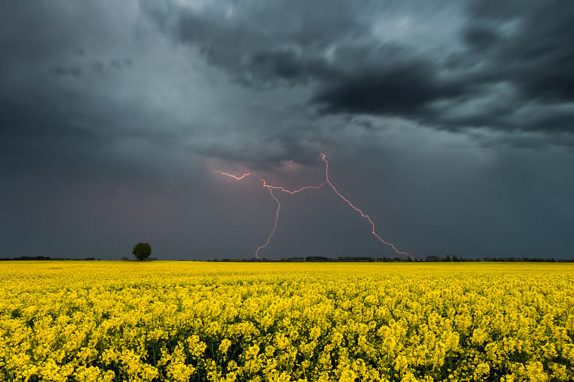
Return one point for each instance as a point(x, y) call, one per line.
point(111, 321)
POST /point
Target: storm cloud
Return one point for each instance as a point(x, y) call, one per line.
point(452, 123)
point(396, 58)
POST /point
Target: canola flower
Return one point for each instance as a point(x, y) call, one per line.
point(195, 321)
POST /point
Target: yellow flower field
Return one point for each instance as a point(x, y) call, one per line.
point(181, 321)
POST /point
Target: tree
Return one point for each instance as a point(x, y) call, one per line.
point(141, 251)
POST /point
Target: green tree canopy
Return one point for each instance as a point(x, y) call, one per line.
point(142, 251)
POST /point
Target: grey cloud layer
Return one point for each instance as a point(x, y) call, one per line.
point(300, 71)
point(450, 122)
point(515, 57)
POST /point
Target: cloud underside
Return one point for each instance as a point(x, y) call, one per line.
point(485, 64)
point(268, 81)
point(452, 125)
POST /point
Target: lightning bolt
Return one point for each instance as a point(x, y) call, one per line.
point(360, 211)
point(240, 177)
point(270, 235)
point(270, 188)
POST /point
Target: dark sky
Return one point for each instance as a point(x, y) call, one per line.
point(450, 122)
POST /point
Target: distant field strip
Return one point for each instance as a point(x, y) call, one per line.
point(198, 321)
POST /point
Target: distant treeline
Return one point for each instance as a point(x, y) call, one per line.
point(433, 259)
point(343, 259)
point(36, 258)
